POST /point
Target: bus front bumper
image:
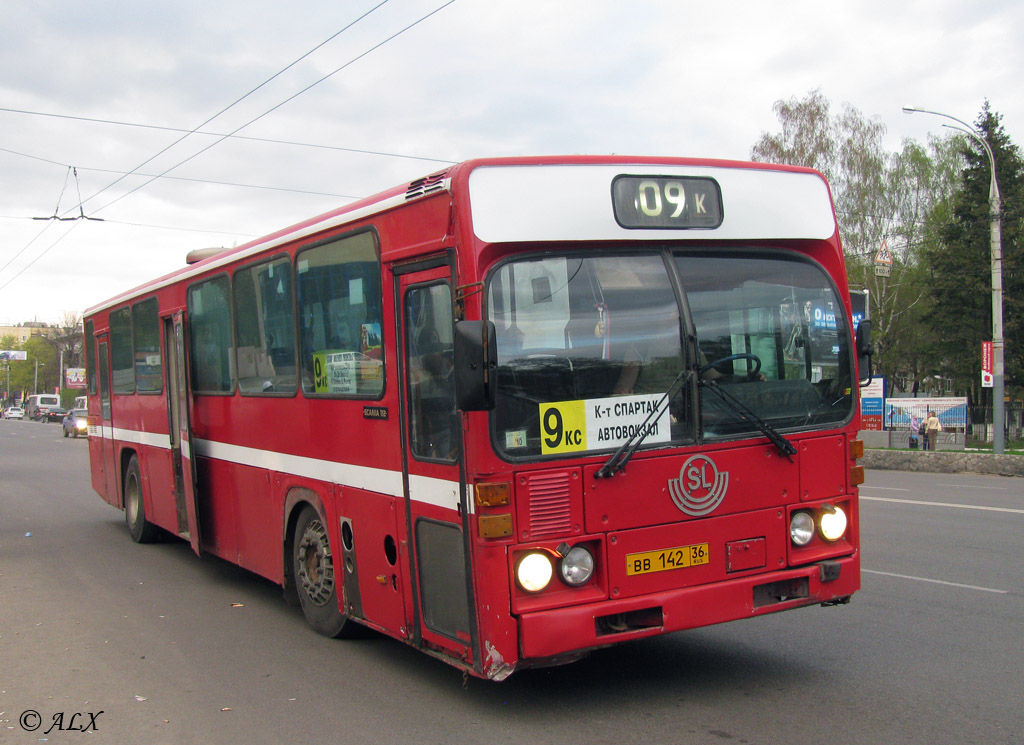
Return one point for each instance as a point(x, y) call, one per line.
point(550, 633)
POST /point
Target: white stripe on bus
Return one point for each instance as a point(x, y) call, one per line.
point(438, 492)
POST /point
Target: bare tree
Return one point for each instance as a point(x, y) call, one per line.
point(882, 199)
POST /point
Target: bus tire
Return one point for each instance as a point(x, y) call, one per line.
point(141, 529)
point(315, 580)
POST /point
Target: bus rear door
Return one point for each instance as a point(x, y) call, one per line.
point(102, 439)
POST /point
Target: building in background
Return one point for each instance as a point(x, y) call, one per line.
point(24, 331)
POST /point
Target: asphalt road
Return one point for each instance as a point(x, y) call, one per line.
point(150, 644)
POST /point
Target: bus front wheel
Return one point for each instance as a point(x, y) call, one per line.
point(315, 581)
point(141, 529)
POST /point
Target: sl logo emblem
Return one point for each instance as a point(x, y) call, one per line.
point(700, 487)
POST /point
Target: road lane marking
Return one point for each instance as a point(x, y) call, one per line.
point(883, 488)
point(972, 486)
point(1010, 510)
point(936, 581)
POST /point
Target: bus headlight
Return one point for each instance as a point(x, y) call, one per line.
point(801, 528)
point(833, 523)
point(577, 566)
point(534, 571)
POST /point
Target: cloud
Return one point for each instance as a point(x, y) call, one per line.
point(503, 77)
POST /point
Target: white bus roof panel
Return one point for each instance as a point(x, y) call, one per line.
point(574, 203)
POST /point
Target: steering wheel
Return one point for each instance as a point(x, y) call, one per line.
point(744, 356)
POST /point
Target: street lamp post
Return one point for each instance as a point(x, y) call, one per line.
point(996, 240)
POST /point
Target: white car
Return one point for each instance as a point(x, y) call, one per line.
point(14, 412)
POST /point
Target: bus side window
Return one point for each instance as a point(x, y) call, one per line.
point(339, 299)
point(212, 351)
point(146, 346)
point(264, 328)
point(121, 354)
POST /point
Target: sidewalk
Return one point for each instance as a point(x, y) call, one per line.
point(944, 461)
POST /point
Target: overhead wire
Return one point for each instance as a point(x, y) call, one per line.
point(183, 178)
point(248, 138)
point(40, 255)
point(180, 139)
point(222, 111)
point(282, 103)
point(222, 138)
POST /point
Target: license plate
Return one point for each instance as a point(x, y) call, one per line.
point(667, 558)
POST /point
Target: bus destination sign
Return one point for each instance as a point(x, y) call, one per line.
point(666, 202)
point(601, 423)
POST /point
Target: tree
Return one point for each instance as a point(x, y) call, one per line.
point(24, 374)
point(807, 137)
point(881, 198)
point(960, 316)
point(9, 344)
point(919, 180)
point(68, 338)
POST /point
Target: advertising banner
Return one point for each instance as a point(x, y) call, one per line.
point(872, 403)
point(74, 377)
point(987, 366)
point(951, 411)
point(859, 306)
point(14, 356)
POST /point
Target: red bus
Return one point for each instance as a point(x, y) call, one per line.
point(509, 413)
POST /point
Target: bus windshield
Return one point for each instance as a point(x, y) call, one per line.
point(589, 345)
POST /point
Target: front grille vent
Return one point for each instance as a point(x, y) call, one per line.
point(550, 504)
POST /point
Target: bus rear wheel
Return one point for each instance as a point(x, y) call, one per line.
point(315, 581)
point(141, 529)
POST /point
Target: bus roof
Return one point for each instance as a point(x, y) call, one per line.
point(567, 198)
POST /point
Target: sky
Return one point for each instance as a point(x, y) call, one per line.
point(96, 99)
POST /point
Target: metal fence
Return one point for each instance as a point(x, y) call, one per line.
point(979, 422)
point(968, 423)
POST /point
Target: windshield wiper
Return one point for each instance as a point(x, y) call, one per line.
point(621, 456)
point(785, 447)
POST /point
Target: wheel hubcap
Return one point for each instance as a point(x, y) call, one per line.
point(131, 499)
point(315, 565)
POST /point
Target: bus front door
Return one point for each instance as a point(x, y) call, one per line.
point(436, 513)
point(180, 431)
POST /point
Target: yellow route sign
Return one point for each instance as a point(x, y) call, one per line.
point(563, 427)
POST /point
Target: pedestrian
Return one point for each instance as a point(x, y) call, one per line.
point(932, 427)
point(915, 427)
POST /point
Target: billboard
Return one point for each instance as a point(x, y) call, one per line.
point(872, 404)
point(859, 306)
point(74, 377)
point(951, 411)
point(987, 365)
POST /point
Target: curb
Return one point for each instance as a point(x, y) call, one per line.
point(940, 461)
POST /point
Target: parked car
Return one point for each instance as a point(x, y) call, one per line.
point(53, 414)
point(76, 422)
point(14, 412)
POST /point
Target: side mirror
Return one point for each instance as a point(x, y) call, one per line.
point(864, 351)
point(476, 358)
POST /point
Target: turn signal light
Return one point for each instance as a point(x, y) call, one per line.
point(856, 449)
point(495, 526)
point(493, 494)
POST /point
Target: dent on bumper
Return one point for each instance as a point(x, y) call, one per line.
point(561, 630)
